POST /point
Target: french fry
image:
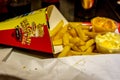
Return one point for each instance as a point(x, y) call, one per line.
point(77, 41)
point(90, 34)
point(71, 52)
point(75, 48)
point(85, 27)
point(83, 48)
point(58, 27)
point(80, 33)
point(66, 38)
point(80, 42)
point(64, 51)
point(87, 45)
point(74, 24)
point(72, 31)
point(90, 49)
point(60, 33)
point(90, 42)
point(74, 40)
point(57, 42)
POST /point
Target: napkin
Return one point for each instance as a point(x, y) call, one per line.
point(90, 67)
point(4, 52)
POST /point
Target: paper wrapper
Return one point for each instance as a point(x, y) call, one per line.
point(98, 67)
point(4, 52)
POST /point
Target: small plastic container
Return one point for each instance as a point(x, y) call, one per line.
point(103, 24)
point(108, 43)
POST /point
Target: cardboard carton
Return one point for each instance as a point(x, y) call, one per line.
point(29, 31)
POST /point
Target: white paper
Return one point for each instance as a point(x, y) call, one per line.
point(4, 52)
point(97, 67)
point(102, 67)
point(56, 17)
point(30, 68)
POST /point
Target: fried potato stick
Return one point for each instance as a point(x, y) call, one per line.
point(75, 48)
point(80, 33)
point(72, 32)
point(77, 41)
point(57, 42)
point(72, 52)
point(61, 32)
point(85, 27)
point(87, 45)
point(74, 24)
point(66, 38)
point(64, 51)
point(90, 34)
point(56, 29)
point(90, 49)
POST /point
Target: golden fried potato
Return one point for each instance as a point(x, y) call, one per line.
point(66, 38)
point(72, 32)
point(80, 33)
point(56, 29)
point(102, 24)
point(90, 49)
point(72, 52)
point(76, 39)
point(87, 45)
point(61, 32)
point(90, 34)
point(75, 48)
point(64, 51)
point(57, 42)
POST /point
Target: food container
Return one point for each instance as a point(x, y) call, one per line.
point(36, 36)
point(28, 31)
point(108, 43)
point(102, 24)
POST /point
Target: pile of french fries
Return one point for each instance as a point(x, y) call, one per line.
point(76, 39)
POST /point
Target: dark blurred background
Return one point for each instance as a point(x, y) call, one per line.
point(69, 8)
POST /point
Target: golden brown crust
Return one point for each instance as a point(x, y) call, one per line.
point(102, 24)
